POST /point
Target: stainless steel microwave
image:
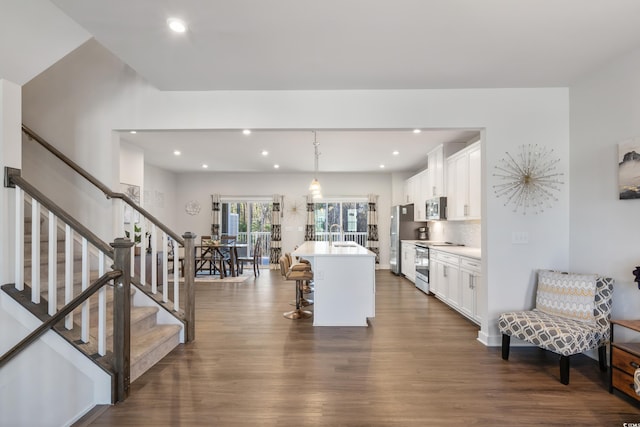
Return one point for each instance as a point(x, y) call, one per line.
point(436, 209)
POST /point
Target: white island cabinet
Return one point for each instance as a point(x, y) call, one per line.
point(344, 282)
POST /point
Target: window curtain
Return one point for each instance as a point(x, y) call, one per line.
point(216, 209)
point(372, 226)
point(276, 232)
point(310, 229)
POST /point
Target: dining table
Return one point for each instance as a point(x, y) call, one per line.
point(212, 255)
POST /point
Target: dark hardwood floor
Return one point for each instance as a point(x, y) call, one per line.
point(417, 364)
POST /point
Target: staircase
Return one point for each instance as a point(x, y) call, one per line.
point(103, 337)
point(150, 341)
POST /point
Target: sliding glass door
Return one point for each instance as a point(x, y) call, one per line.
point(249, 220)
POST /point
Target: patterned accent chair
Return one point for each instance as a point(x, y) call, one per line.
point(571, 316)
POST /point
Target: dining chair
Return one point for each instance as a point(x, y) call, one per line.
point(228, 253)
point(205, 256)
point(254, 259)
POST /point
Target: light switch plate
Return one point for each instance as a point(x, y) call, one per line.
point(520, 237)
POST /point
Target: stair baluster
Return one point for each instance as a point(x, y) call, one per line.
point(53, 262)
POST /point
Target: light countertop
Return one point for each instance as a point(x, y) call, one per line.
point(309, 249)
point(465, 251)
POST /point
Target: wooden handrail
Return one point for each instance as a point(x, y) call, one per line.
point(102, 187)
point(60, 213)
point(60, 315)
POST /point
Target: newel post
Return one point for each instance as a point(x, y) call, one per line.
point(189, 285)
point(122, 319)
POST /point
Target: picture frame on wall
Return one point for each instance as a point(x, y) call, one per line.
point(629, 169)
point(133, 192)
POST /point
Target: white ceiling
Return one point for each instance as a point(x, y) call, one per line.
point(349, 44)
point(361, 44)
point(293, 150)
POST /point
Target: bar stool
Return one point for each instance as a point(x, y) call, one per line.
point(306, 289)
point(308, 286)
point(299, 277)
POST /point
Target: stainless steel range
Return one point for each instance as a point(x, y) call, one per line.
point(422, 267)
point(422, 263)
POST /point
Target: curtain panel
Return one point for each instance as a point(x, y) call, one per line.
point(276, 232)
point(372, 226)
point(216, 215)
point(310, 227)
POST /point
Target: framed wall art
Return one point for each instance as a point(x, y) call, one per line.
point(629, 169)
point(133, 192)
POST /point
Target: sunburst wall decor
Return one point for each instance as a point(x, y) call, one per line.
point(531, 181)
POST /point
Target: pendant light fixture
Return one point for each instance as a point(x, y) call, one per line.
point(314, 187)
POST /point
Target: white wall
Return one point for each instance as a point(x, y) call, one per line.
point(160, 194)
point(80, 100)
point(131, 166)
point(74, 105)
point(605, 231)
point(294, 187)
point(50, 383)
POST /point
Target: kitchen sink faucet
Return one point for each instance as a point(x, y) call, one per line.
point(331, 233)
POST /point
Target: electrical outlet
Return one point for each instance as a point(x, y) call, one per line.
point(520, 237)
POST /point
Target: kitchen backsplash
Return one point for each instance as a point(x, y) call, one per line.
point(467, 233)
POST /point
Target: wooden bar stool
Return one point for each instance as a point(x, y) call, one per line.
point(306, 289)
point(299, 277)
point(308, 286)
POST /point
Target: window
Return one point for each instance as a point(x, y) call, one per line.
point(343, 219)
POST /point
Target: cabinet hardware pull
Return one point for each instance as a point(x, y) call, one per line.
point(634, 365)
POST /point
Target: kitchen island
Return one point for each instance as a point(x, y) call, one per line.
point(344, 282)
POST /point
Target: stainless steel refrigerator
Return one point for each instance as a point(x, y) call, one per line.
point(403, 227)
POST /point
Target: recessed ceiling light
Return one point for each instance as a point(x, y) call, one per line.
point(276, 166)
point(177, 25)
point(204, 166)
point(417, 131)
point(381, 166)
point(247, 131)
point(395, 153)
point(133, 132)
point(177, 152)
point(265, 153)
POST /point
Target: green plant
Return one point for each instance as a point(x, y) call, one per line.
point(137, 237)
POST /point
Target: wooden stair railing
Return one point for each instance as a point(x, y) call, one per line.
point(95, 343)
point(187, 315)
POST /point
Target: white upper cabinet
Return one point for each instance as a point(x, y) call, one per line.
point(464, 184)
point(420, 206)
point(475, 182)
point(409, 190)
point(414, 193)
point(436, 172)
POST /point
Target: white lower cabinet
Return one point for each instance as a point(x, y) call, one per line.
point(408, 262)
point(455, 281)
point(447, 269)
point(469, 282)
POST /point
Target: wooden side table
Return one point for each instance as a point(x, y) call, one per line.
point(624, 360)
